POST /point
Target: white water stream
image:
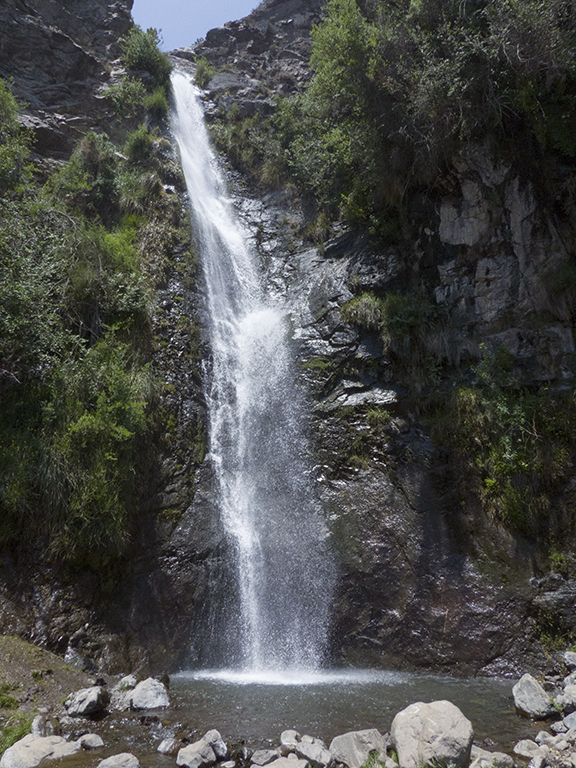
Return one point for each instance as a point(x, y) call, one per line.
point(283, 570)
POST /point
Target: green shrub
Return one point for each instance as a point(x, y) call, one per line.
point(14, 142)
point(141, 53)
point(514, 447)
point(75, 338)
point(138, 146)
point(204, 72)
point(156, 103)
point(127, 96)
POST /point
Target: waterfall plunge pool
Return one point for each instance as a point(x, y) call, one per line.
point(255, 708)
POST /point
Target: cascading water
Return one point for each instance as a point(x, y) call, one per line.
point(283, 571)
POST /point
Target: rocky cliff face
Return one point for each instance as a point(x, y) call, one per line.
point(426, 577)
point(60, 57)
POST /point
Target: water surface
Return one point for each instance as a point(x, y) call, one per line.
point(258, 707)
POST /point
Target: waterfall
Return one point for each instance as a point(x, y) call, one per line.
point(283, 574)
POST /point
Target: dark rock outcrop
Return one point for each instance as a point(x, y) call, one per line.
point(60, 56)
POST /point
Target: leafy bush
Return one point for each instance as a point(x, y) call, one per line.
point(413, 329)
point(138, 146)
point(204, 72)
point(397, 88)
point(127, 96)
point(140, 52)
point(515, 447)
point(14, 142)
point(156, 103)
point(17, 726)
point(75, 341)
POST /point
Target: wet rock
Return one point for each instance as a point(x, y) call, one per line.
point(213, 739)
point(315, 753)
point(87, 702)
point(196, 755)
point(91, 741)
point(33, 750)
point(531, 699)
point(353, 748)
point(264, 756)
point(170, 746)
point(46, 725)
point(526, 748)
point(481, 758)
point(148, 694)
point(566, 701)
point(122, 760)
point(569, 658)
point(432, 734)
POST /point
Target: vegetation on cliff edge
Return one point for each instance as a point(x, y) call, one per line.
point(78, 257)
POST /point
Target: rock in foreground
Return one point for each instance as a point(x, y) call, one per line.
point(435, 734)
point(531, 699)
point(87, 702)
point(354, 747)
point(149, 694)
point(33, 750)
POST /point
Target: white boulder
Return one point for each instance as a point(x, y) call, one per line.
point(353, 748)
point(435, 734)
point(33, 750)
point(196, 755)
point(481, 758)
point(566, 700)
point(316, 754)
point(122, 760)
point(288, 762)
point(264, 756)
point(531, 699)
point(91, 741)
point(217, 743)
point(87, 702)
point(148, 694)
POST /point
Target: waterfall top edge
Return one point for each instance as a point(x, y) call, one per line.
point(296, 677)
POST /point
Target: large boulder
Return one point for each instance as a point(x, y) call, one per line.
point(531, 699)
point(33, 750)
point(435, 734)
point(353, 748)
point(88, 702)
point(149, 694)
point(196, 755)
point(122, 760)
